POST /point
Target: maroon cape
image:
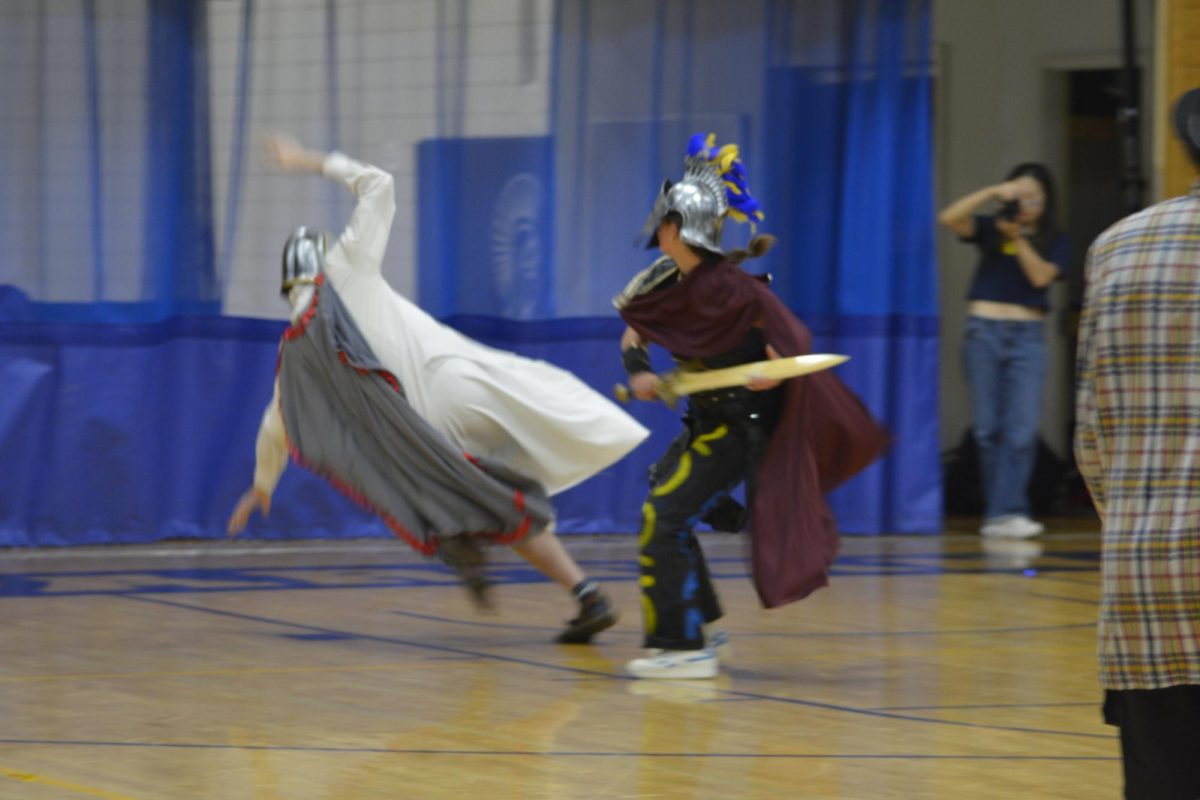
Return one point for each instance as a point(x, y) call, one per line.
point(825, 434)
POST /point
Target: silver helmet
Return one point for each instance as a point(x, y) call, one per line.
point(303, 258)
point(713, 186)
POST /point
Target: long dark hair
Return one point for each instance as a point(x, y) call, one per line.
point(1046, 228)
point(757, 247)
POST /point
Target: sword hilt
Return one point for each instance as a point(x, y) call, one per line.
point(624, 394)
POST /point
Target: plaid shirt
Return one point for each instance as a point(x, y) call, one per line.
point(1137, 440)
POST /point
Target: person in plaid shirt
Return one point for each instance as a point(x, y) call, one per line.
point(1137, 442)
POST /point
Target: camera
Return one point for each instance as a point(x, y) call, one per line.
point(1010, 210)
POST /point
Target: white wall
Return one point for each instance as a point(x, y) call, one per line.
point(999, 101)
point(387, 89)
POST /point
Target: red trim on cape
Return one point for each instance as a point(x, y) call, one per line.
point(298, 329)
point(426, 548)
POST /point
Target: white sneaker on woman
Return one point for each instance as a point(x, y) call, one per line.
point(1012, 526)
point(675, 664)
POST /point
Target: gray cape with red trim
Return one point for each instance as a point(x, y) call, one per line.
point(348, 421)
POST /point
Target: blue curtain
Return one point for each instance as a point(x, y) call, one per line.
point(106, 209)
point(849, 170)
point(110, 400)
point(128, 405)
point(179, 253)
point(830, 100)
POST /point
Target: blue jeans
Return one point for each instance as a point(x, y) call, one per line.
point(1006, 367)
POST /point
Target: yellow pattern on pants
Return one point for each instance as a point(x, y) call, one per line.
point(678, 597)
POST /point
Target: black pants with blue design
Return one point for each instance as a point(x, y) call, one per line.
point(678, 597)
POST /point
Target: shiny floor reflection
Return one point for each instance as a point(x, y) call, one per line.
point(932, 667)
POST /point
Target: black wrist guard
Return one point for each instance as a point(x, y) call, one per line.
point(636, 359)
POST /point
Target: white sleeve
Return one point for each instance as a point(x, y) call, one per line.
point(365, 238)
point(270, 449)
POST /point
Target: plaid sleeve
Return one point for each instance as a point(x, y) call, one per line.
point(1087, 421)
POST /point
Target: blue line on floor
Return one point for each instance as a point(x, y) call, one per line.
point(258, 579)
point(545, 753)
point(969, 706)
point(576, 670)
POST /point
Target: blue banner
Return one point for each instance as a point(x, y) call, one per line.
point(485, 227)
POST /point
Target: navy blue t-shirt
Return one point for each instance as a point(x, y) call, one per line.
point(999, 276)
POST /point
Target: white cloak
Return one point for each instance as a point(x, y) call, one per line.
point(530, 415)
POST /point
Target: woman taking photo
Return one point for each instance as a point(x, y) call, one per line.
point(1021, 252)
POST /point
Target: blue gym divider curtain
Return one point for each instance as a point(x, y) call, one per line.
point(115, 373)
point(129, 405)
point(830, 102)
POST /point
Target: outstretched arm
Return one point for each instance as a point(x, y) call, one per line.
point(365, 237)
point(270, 455)
point(284, 154)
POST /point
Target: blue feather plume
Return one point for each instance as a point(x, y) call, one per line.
point(742, 206)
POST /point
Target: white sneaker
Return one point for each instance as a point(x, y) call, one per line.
point(675, 664)
point(1013, 526)
point(1004, 553)
point(683, 692)
point(718, 642)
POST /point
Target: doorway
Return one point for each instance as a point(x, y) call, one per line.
point(1092, 201)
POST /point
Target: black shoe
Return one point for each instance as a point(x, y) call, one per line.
point(464, 554)
point(596, 613)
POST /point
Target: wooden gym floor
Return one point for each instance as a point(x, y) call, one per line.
point(932, 667)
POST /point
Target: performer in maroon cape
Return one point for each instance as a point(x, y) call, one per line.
point(790, 443)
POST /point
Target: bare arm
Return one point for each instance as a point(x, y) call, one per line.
point(270, 459)
point(958, 216)
point(365, 236)
point(1039, 271)
point(630, 339)
point(283, 153)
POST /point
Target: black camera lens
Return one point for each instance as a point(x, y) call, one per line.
point(1010, 210)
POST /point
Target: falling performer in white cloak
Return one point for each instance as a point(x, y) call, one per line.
point(451, 442)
